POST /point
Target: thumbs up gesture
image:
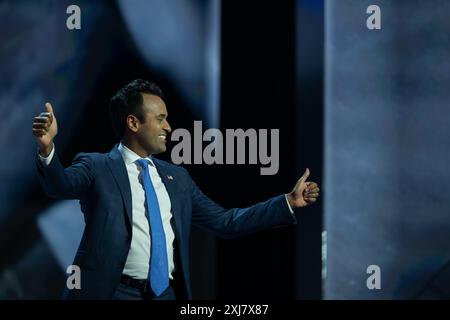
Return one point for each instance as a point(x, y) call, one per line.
point(45, 129)
point(304, 193)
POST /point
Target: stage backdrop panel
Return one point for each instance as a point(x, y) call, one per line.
point(387, 134)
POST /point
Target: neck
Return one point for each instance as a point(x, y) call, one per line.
point(134, 146)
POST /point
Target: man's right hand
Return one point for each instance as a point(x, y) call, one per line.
point(45, 129)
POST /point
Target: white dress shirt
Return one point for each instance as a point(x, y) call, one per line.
point(137, 263)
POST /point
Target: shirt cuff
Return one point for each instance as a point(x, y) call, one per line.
point(292, 211)
point(46, 160)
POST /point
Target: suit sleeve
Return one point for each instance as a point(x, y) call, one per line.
point(237, 222)
point(66, 183)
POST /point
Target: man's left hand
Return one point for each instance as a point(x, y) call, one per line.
point(304, 193)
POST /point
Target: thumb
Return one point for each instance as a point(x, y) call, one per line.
point(49, 108)
point(304, 176)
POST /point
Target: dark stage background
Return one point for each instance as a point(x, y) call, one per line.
point(366, 111)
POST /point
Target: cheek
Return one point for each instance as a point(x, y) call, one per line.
point(146, 134)
point(152, 134)
point(148, 130)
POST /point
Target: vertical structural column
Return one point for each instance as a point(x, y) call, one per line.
point(308, 142)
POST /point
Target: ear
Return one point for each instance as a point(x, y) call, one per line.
point(132, 123)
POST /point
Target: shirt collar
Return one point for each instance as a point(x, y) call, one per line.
point(130, 156)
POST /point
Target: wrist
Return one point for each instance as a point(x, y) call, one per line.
point(290, 200)
point(45, 151)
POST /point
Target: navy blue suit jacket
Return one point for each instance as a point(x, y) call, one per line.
point(100, 182)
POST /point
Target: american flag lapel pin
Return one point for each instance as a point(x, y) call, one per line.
point(170, 177)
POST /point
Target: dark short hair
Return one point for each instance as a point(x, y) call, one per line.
point(128, 100)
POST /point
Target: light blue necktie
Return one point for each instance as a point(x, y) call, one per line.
point(159, 270)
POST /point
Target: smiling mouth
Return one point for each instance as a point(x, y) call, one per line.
point(162, 137)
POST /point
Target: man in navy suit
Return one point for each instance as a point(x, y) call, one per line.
point(138, 209)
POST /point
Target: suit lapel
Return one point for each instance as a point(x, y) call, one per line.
point(173, 190)
point(120, 174)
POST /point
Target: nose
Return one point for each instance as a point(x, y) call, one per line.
point(167, 127)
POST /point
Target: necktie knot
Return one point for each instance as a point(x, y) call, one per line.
point(143, 163)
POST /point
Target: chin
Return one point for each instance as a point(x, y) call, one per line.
point(159, 150)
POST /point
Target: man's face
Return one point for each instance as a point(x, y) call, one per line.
point(153, 132)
